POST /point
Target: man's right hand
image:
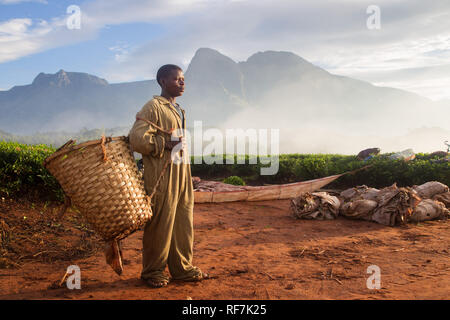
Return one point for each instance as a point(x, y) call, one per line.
point(169, 145)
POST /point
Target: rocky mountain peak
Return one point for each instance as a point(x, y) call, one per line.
point(209, 59)
point(212, 70)
point(63, 79)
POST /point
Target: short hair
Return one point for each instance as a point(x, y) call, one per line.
point(165, 70)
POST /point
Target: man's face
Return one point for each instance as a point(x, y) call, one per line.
point(173, 84)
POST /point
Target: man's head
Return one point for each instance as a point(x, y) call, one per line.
point(171, 79)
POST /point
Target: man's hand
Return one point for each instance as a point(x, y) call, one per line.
point(171, 144)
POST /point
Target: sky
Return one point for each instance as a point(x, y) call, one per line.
point(395, 43)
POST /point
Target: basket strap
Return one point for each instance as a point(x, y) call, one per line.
point(105, 158)
point(70, 142)
point(169, 132)
point(159, 178)
point(67, 204)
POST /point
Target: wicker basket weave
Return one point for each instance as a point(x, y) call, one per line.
point(102, 180)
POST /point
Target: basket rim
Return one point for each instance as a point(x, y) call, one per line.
point(69, 146)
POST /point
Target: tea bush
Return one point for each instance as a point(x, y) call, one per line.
point(22, 172)
point(234, 180)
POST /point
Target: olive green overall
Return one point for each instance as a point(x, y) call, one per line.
point(168, 236)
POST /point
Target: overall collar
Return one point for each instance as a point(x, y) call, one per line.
point(171, 107)
point(164, 100)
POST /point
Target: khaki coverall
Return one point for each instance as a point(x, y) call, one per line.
point(168, 236)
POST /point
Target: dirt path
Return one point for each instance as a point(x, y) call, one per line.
point(255, 250)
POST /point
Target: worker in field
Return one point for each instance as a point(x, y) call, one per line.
point(168, 236)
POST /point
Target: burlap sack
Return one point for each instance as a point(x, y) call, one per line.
point(359, 209)
point(359, 192)
point(317, 205)
point(429, 209)
point(395, 205)
point(444, 198)
point(429, 189)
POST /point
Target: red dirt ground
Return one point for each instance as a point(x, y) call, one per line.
point(256, 250)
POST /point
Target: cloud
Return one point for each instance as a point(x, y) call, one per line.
point(18, 38)
point(23, 37)
point(121, 52)
point(109, 12)
point(430, 81)
point(332, 34)
point(15, 26)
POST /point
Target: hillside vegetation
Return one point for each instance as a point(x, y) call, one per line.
point(22, 172)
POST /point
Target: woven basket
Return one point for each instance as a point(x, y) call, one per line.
point(102, 180)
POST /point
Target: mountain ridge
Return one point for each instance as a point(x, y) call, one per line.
point(269, 88)
point(65, 79)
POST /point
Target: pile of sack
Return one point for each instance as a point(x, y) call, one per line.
point(317, 205)
point(388, 206)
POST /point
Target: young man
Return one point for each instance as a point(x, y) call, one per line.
point(168, 237)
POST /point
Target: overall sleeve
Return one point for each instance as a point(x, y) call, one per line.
point(144, 137)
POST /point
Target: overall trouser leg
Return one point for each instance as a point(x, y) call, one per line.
point(181, 246)
point(182, 242)
point(158, 232)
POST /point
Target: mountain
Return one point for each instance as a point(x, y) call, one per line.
point(62, 79)
point(271, 89)
point(69, 101)
point(287, 91)
point(277, 89)
point(214, 87)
